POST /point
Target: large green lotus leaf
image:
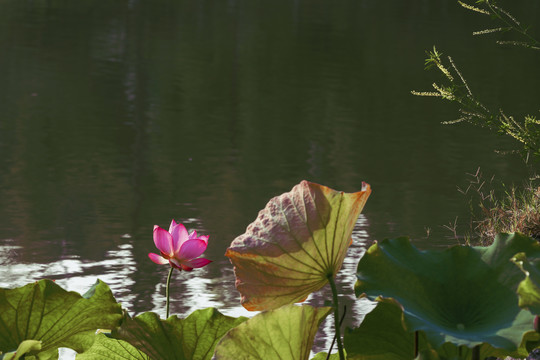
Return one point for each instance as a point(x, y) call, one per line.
point(299, 239)
point(450, 351)
point(384, 335)
point(192, 338)
point(105, 348)
point(44, 311)
point(462, 295)
point(529, 289)
point(283, 333)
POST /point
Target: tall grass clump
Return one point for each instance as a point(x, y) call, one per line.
point(514, 209)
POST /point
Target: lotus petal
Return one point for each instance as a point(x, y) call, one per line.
point(158, 259)
point(163, 240)
point(191, 249)
point(463, 295)
point(297, 241)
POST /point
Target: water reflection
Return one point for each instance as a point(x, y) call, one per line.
point(346, 278)
point(190, 291)
point(73, 273)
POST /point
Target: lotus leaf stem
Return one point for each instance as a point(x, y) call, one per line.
point(334, 339)
point(336, 315)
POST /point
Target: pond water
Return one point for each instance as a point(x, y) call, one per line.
point(119, 115)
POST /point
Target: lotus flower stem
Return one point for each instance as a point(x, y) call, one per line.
point(415, 344)
point(167, 292)
point(336, 315)
point(476, 352)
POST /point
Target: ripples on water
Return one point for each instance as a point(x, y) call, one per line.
point(74, 273)
point(189, 291)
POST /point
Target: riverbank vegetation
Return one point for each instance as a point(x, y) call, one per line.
point(514, 209)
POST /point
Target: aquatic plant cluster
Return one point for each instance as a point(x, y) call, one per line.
point(464, 302)
point(460, 303)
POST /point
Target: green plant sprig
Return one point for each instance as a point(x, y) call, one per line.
point(509, 22)
point(471, 110)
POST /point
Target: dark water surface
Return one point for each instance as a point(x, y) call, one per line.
point(118, 115)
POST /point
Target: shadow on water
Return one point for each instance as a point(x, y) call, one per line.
point(118, 115)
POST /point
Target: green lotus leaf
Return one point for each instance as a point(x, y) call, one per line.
point(283, 333)
point(324, 356)
point(382, 335)
point(299, 239)
point(192, 338)
point(529, 289)
point(105, 348)
point(450, 351)
point(462, 295)
point(428, 354)
point(45, 312)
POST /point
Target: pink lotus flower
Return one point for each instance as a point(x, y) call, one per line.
point(179, 248)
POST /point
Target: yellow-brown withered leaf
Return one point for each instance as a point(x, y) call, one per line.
point(299, 239)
